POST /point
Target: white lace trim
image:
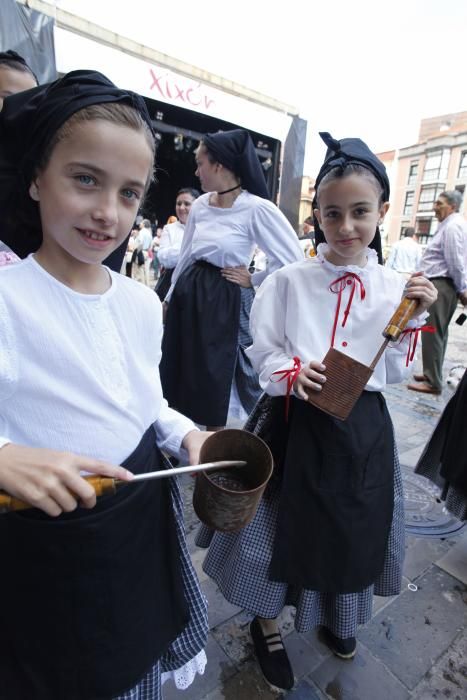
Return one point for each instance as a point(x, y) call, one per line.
point(372, 261)
point(183, 677)
point(109, 353)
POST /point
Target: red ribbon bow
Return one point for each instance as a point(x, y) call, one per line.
point(337, 287)
point(291, 375)
point(413, 334)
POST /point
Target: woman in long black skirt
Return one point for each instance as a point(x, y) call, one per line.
point(205, 372)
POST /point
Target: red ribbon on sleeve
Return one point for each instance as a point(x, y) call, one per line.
point(291, 375)
point(413, 334)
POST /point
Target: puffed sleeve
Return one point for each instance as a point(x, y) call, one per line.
point(398, 355)
point(275, 236)
point(167, 253)
point(268, 353)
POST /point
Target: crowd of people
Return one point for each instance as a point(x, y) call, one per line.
point(99, 377)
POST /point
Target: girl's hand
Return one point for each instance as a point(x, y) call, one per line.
point(420, 288)
point(51, 480)
point(192, 443)
point(310, 378)
point(238, 275)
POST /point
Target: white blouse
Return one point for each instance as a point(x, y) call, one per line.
point(228, 237)
point(170, 244)
point(294, 312)
point(79, 372)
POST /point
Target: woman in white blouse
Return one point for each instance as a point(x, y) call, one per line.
point(171, 239)
point(205, 371)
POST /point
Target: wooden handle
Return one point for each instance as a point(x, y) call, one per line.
point(400, 318)
point(102, 485)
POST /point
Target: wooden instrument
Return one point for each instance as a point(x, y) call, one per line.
point(346, 378)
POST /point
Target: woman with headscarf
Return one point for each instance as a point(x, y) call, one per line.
point(205, 371)
point(99, 598)
point(329, 530)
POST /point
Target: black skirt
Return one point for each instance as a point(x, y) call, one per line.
point(199, 347)
point(337, 497)
point(164, 282)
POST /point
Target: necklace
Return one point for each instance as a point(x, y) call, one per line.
point(231, 189)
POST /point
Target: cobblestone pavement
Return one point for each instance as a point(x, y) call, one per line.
point(416, 644)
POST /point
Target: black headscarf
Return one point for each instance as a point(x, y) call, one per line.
point(342, 153)
point(28, 122)
point(235, 150)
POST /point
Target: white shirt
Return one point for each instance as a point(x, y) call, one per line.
point(170, 244)
point(79, 372)
point(405, 256)
point(446, 253)
point(144, 238)
point(228, 237)
point(293, 316)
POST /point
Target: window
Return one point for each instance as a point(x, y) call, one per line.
point(413, 173)
point(423, 230)
point(436, 165)
point(462, 174)
point(408, 206)
point(428, 196)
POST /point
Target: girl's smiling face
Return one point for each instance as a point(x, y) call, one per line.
point(349, 210)
point(90, 191)
point(183, 206)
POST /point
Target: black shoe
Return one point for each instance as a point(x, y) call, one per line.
point(343, 648)
point(275, 665)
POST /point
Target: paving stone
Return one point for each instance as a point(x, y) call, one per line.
point(303, 657)
point(303, 691)
point(247, 684)
point(233, 636)
point(380, 602)
point(421, 552)
point(409, 635)
point(410, 457)
point(455, 561)
point(313, 637)
point(363, 678)
point(218, 670)
point(219, 609)
point(448, 677)
point(197, 558)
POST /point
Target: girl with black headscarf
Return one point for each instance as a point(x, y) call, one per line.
point(99, 599)
point(205, 371)
point(329, 529)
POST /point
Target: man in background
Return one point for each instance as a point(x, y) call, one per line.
point(444, 262)
point(406, 254)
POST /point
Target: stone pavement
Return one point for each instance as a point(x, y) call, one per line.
point(415, 647)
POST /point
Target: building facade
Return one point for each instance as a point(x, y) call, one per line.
point(437, 162)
